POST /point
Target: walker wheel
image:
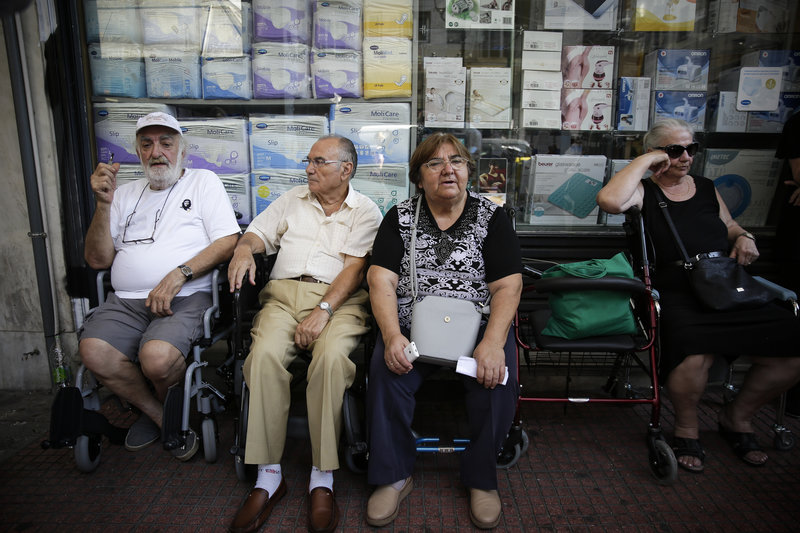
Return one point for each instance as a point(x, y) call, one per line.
point(663, 462)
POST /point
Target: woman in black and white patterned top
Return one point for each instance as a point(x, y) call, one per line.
point(466, 248)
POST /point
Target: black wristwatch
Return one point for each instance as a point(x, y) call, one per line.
point(186, 271)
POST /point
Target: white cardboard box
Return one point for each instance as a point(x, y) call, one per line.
point(580, 15)
point(773, 121)
point(723, 114)
point(542, 79)
point(445, 97)
point(541, 118)
point(633, 108)
point(542, 40)
point(535, 99)
point(564, 188)
point(538, 60)
point(587, 67)
point(490, 98)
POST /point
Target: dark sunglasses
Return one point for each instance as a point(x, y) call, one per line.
point(675, 150)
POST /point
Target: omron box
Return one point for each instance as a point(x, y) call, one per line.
point(685, 70)
point(541, 118)
point(685, 105)
point(587, 67)
point(282, 141)
point(633, 108)
point(542, 79)
point(564, 188)
point(217, 144)
point(586, 109)
point(534, 99)
point(538, 60)
point(723, 115)
point(789, 60)
point(542, 40)
point(746, 180)
point(773, 121)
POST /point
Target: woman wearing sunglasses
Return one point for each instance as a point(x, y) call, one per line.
point(691, 335)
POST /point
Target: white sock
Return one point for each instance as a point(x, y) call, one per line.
point(320, 478)
point(397, 485)
point(269, 477)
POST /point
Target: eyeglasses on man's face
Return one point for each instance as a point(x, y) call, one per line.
point(674, 151)
point(319, 162)
point(437, 164)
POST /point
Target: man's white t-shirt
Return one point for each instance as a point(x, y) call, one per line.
point(191, 215)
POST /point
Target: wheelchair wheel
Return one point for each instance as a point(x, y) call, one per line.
point(514, 447)
point(663, 462)
point(209, 429)
point(355, 448)
point(87, 452)
point(244, 472)
point(784, 440)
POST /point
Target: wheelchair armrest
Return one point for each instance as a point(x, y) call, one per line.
point(782, 293)
point(633, 286)
point(102, 279)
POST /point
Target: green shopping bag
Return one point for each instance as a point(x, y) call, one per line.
point(580, 314)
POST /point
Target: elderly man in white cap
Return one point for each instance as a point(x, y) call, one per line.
point(160, 235)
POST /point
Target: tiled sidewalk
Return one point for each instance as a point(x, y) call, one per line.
point(586, 470)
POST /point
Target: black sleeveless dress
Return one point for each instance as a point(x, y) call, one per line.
point(687, 328)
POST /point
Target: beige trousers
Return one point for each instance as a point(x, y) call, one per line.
point(285, 303)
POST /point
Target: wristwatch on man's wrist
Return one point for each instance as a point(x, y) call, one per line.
point(186, 271)
point(325, 306)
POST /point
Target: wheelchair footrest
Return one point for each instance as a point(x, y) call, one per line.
point(171, 435)
point(69, 420)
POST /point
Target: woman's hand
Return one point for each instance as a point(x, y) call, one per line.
point(393, 355)
point(491, 362)
point(744, 250)
point(659, 162)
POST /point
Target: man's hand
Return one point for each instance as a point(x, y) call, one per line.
point(491, 362)
point(241, 263)
point(160, 298)
point(104, 182)
point(310, 328)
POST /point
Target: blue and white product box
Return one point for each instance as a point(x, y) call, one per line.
point(389, 18)
point(267, 186)
point(661, 15)
point(490, 98)
point(386, 185)
point(542, 40)
point(788, 60)
point(381, 132)
point(675, 69)
point(541, 60)
point(773, 121)
point(227, 77)
point(172, 73)
point(284, 21)
point(586, 109)
point(633, 108)
point(337, 24)
point(580, 14)
point(181, 23)
point(685, 105)
point(723, 114)
point(746, 180)
point(227, 31)
point(387, 67)
point(283, 141)
point(445, 96)
point(336, 73)
point(542, 79)
point(117, 70)
point(112, 21)
point(765, 16)
point(217, 144)
point(535, 99)
point(587, 67)
point(281, 70)
point(128, 173)
point(564, 189)
point(238, 188)
point(115, 129)
point(759, 88)
point(541, 118)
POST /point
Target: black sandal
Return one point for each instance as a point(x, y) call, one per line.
point(742, 444)
point(684, 447)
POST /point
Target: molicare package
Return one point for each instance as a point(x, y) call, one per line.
point(586, 109)
point(664, 15)
point(267, 186)
point(128, 173)
point(389, 18)
point(788, 60)
point(677, 69)
point(283, 141)
point(336, 73)
point(587, 67)
point(227, 32)
point(179, 23)
point(381, 132)
point(238, 188)
point(227, 77)
point(217, 144)
point(280, 70)
point(746, 179)
point(117, 70)
point(490, 97)
point(773, 121)
point(633, 108)
point(685, 105)
point(580, 14)
point(287, 20)
point(172, 73)
point(387, 67)
point(115, 129)
point(112, 21)
point(337, 24)
point(562, 189)
point(386, 185)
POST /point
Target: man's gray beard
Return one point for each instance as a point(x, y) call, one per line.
point(162, 177)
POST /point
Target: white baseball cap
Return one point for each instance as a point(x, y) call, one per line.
point(158, 118)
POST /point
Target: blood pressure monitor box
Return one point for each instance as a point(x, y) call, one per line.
point(746, 180)
point(773, 121)
point(217, 144)
point(115, 129)
point(685, 105)
point(381, 132)
point(562, 189)
point(672, 69)
point(282, 141)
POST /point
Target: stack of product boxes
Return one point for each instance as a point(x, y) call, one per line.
point(387, 48)
point(789, 95)
point(587, 98)
point(679, 82)
point(541, 79)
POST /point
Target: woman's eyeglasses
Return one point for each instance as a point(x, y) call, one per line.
point(437, 164)
point(676, 150)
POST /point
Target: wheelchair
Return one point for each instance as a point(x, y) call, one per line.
point(77, 423)
point(245, 307)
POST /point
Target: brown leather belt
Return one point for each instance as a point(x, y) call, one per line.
point(307, 279)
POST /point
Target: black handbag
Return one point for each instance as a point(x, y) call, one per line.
point(718, 281)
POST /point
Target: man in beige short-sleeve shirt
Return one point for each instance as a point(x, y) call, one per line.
point(322, 233)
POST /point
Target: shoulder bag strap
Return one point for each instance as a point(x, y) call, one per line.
point(413, 253)
point(664, 209)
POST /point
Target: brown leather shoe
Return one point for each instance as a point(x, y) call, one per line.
point(323, 513)
point(256, 509)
